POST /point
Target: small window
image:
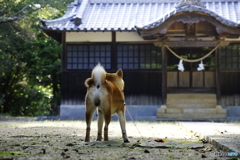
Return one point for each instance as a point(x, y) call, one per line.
point(230, 57)
point(86, 56)
point(139, 56)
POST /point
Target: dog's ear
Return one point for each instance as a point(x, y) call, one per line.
point(119, 73)
point(89, 82)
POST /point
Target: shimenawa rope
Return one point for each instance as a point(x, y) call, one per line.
point(191, 60)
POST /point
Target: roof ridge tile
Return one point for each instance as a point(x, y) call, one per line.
point(187, 8)
point(81, 15)
point(80, 12)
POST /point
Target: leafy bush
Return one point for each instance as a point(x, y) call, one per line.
point(29, 59)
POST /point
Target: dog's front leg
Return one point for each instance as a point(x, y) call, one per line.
point(100, 125)
point(122, 121)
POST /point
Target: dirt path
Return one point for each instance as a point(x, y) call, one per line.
point(64, 140)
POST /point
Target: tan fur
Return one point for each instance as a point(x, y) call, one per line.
point(108, 97)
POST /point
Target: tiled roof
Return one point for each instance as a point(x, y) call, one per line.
point(121, 15)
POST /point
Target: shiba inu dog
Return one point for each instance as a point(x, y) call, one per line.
point(105, 93)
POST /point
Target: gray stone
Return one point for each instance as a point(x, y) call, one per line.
point(101, 144)
point(175, 145)
point(147, 144)
point(133, 112)
point(233, 112)
point(223, 136)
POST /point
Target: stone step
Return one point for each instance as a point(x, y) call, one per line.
point(191, 96)
point(204, 111)
point(191, 107)
point(195, 110)
point(196, 105)
point(173, 110)
point(177, 110)
point(191, 113)
point(190, 116)
point(191, 101)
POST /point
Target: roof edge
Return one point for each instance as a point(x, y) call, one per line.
point(186, 8)
point(191, 2)
point(79, 15)
point(66, 16)
point(152, 1)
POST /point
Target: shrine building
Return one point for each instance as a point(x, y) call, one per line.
point(180, 58)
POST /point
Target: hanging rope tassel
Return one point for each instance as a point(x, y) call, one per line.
point(201, 67)
point(180, 66)
point(192, 60)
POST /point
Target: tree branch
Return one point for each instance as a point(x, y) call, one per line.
point(14, 17)
point(10, 19)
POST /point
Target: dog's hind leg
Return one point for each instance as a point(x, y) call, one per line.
point(122, 121)
point(100, 125)
point(107, 118)
point(89, 114)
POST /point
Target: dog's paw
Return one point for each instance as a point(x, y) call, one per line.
point(87, 139)
point(126, 141)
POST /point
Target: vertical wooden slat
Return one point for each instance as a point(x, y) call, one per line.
point(209, 79)
point(164, 75)
point(184, 80)
point(63, 55)
point(114, 52)
point(63, 83)
point(218, 75)
point(172, 80)
point(197, 79)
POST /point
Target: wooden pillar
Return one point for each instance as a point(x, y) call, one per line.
point(114, 52)
point(218, 75)
point(64, 54)
point(164, 75)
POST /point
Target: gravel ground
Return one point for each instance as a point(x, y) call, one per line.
point(65, 140)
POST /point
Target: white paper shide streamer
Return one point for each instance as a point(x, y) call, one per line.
point(200, 67)
point(180, 66)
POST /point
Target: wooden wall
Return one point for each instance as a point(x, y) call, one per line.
point(205, 79)
point(230, 82)
point(136, 83)
point(144, 82)
point(147, 84)
point(140, 84)
point(72, 87)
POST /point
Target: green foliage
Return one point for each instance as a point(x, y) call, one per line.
point(29, 59)
point(11, 154)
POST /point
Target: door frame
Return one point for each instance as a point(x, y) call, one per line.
point(217, 89)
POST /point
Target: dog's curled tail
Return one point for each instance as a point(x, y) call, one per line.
point(99, 75)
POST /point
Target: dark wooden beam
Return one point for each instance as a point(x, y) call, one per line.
point(190, 30)
point(164, 75)
point(188, 43)
point(218, 75)
point(114, 52)
point(63, 55)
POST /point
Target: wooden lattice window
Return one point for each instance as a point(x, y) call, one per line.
point(86, 56)
point(230, 57)
point(138, 56)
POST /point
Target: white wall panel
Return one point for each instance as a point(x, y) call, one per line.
point(129, 37)
point(88, 37)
